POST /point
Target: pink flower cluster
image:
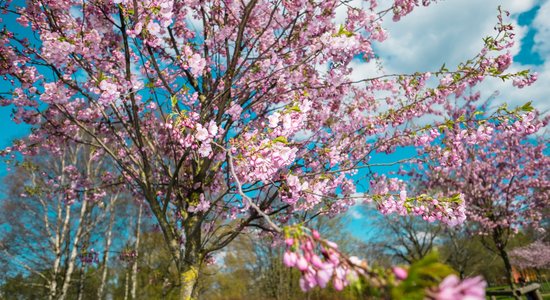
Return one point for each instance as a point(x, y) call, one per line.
point(109, 92)
point(522, 82)
point(316, 270)
point(497, 169)
point(89, 257)
point(391, 195)
point(452, 288)
point(402, 8)
point(202, 206)
point(535, 255)
point(193, 61)
point(55, 49)
point(55, 92)
point(205, 136)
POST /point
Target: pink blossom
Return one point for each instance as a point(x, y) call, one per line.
point(196, 64)
point(153, 28)
point(301, 263)
point(274, 120)
point(400, 273)
point(205, 149)
point(323, 276)
point(235, 111)
point(290, 259)
point(201, 133)
point(212, 129)
point(203, 205)
point(452, 288)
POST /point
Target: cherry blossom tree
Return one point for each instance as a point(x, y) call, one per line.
point(227, 116)
point(535, 255)
point(500, 169)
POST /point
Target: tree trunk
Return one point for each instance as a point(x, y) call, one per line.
point(108, 241)
point(189, 278)
point(81, 283)
point(127, 285)
point(74, 251)
point(499, 239)
point(58, 249)
point(190, 264)
point(59, 236)
point(136, 249)
point(507, 266)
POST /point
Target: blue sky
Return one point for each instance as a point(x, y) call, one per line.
point(449, 31)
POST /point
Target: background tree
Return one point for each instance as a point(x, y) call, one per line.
point(535, 256)
point(502, 173)
point(409, 238)
point(51, 218)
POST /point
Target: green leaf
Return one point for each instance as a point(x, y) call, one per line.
point(101, 76)
point(422, 274)
point(456, 77)
point(528, 107)
point(173, 100)
point(343, 31)
point(295, 108)
point(280, 139)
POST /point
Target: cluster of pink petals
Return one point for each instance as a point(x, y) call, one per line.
point(535, 255)
point(316, 270)
point(393, 194)
point(402, 8)
point(494, 163)
point(452, 288)
point(522, 82)
point(202, 206)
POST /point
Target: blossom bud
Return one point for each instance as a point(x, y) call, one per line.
point(316, 261)
point(400, 273)
point(338, 284)
point(316, 234)
point(290, 258)
point(323, 277)
point(308, 245)
point(301, 263)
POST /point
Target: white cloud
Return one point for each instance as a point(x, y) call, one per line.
point(446, 32)
point(362, 70)
point(451, 32)
point(355, 213)
point(542, 24)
